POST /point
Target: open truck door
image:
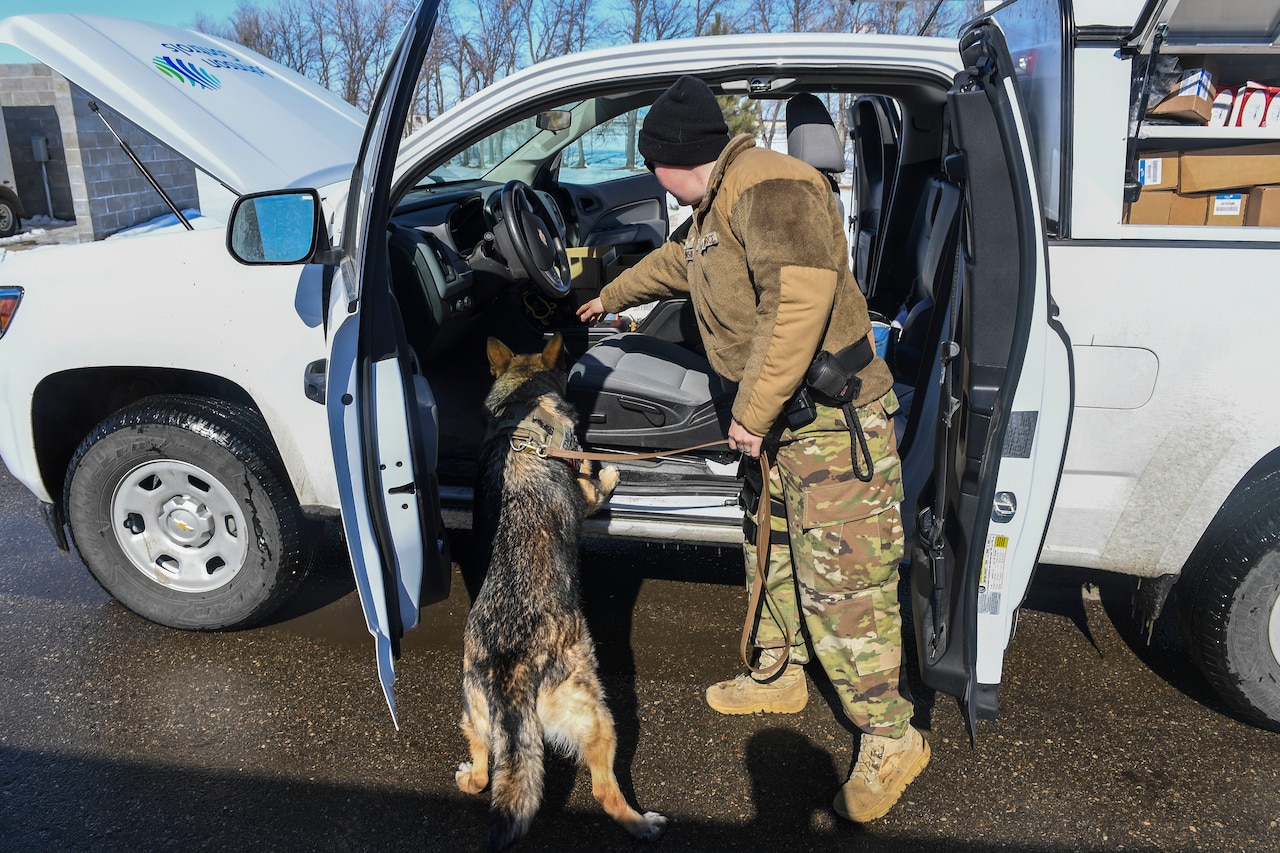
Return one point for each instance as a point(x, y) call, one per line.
point(1005, 393)
point(382, 416)
point(383, 423)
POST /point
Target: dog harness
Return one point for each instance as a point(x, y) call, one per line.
point(537, 432)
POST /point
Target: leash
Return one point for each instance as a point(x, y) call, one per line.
point(756, 600)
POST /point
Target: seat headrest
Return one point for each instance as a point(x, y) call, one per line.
point(812, 135)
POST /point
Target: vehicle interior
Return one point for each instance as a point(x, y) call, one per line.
point(522, 225)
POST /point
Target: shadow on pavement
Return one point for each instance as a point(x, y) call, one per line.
point(118, 806)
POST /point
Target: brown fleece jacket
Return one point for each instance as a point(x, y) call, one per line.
point(765, 263)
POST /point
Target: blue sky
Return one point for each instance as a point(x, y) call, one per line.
point(179, 12)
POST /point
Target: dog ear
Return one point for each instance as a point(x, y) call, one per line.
point(500, 356)
point(553, 352)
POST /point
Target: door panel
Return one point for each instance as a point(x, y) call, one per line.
point(629, 213)
point(1004, 400)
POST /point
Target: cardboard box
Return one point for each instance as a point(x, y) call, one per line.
point(587, 265)
point(623, 262)
point(1263, 207)
point(1151, 208)
point(1195, 81)
point(1242, 166)
point(1190, 100)
point(1158, 170)
point(1226, 208)
point(1193, 109)
point(1188, 209)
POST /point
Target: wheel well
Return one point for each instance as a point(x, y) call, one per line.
point(1241, 498)
point(67, 405)
point(1255, 485)
point(12, 197)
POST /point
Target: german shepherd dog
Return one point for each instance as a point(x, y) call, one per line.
point(529, 670)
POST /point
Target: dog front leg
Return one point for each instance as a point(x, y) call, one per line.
point(596, 490)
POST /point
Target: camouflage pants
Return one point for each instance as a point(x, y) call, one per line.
point(835, 582)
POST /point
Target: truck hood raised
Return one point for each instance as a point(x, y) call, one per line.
point(250, 123)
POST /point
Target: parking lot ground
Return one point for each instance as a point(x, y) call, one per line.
point(119, 734)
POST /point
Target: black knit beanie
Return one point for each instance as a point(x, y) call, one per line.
point(684, 127)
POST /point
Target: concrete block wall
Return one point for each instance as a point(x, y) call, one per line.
point(29, 99)
point(92, 180)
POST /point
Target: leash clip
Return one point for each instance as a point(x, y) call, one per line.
point(520, 445)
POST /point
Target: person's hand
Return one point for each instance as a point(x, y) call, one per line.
point(589, 312)
point(741, 438)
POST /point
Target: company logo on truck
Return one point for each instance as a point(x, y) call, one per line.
point(186, 72)
point(193, 67)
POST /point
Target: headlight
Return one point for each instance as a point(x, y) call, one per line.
point(9, 299)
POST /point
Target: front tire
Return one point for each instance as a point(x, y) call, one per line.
point(182, 511)
point(1229, 606)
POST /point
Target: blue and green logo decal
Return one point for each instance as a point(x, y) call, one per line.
point(185, 72)
point(197, 61)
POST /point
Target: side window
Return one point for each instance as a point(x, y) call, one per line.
point(605, 153)
point(1034, 31)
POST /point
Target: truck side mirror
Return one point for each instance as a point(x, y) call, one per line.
point(280, 227)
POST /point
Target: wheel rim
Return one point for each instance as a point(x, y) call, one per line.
point(6, 218)
point(179, 526)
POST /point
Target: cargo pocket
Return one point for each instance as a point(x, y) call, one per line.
point(874, 634)
point(850, 499)
point(847, 532)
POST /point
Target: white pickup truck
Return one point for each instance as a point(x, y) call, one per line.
point(182, 403)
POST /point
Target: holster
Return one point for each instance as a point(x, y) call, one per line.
point(832, 378)
point(749, 500)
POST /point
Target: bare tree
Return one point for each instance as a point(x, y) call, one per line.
point(650, 20)
point(344, 45)
point(556, 27)
point(436, 86)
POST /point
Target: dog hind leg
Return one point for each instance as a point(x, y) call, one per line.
point(574, 715)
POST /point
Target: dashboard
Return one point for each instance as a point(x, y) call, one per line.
point(446, 266)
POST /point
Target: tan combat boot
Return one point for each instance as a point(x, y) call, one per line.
point(786, 693)
point(886, 766)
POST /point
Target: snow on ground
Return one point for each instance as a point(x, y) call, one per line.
point(34, 230)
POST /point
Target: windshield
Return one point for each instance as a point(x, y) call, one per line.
point(599, 144)
point(476, 161)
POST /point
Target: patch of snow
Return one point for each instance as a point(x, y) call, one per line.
point(169, 222)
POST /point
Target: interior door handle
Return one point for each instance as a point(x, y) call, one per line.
point(585, 203)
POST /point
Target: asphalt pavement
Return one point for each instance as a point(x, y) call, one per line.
point(119, 734)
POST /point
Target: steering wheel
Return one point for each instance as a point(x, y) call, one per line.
point(535, 242)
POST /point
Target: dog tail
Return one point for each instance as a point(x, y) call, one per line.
point(518, 769)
